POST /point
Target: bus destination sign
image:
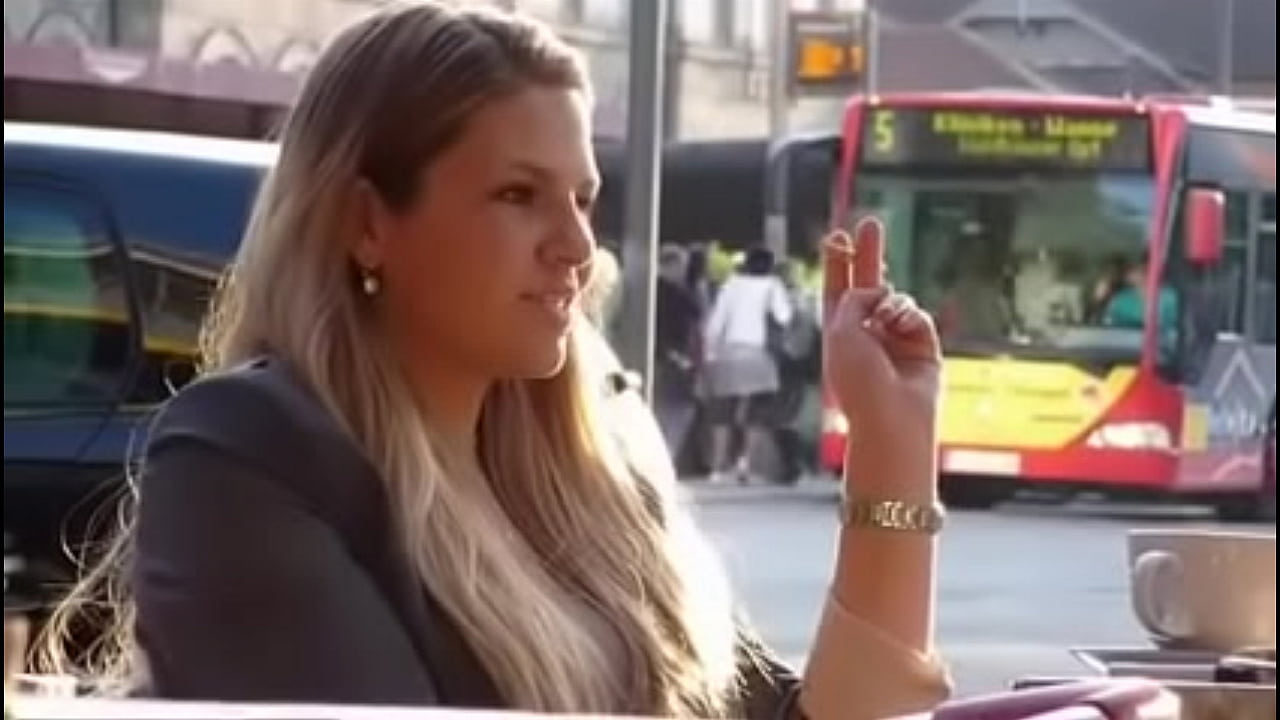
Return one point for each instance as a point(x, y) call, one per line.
point(970, 138)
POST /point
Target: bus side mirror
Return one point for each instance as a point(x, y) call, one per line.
point(1204, 220)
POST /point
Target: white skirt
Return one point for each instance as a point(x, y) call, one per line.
point(740, 371)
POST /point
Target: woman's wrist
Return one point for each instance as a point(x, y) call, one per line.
point(897, 466)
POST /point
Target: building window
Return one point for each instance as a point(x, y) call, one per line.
point(697, 20)
point(603, 14)
point(573, 11)
point(726, 22)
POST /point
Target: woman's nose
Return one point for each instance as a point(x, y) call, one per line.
point(574, 243)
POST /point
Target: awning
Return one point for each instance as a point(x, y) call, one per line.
point(145, 72)
point(109, 87)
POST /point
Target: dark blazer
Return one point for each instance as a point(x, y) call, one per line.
point(267, 568)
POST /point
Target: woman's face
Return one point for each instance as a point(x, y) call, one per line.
point(1137, 275)
point(482, 272)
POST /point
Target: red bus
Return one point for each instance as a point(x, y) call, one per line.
point(1102, 272)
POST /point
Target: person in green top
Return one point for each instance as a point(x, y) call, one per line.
point(1126, 308)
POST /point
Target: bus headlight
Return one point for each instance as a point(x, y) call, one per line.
point(1131, 436)
point(834, 422)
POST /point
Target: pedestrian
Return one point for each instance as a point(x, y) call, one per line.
point(677, 320)
point(394, 482)
point(740, 372)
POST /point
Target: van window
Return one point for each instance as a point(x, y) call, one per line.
point(67, 335)
point(172, 295)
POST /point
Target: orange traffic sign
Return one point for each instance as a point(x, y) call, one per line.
point(822, 59)
point(827, 51)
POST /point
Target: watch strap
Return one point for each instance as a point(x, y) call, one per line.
point(897, 515)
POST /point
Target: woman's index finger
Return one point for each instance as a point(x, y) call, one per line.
point(868, 259)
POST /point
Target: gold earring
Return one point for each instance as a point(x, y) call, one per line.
point(370, 282)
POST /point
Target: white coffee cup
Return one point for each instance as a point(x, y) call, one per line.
point(1204, 589)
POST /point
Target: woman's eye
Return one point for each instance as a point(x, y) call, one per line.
point(517, 194)
point(585, 203)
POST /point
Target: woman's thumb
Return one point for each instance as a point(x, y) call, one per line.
point(862, 302)
point(837, 270)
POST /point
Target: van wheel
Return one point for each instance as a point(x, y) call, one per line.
point(965, 492)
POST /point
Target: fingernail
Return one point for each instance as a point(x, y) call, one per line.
point(841, 243)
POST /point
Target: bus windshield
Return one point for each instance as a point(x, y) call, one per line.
point(1032, 263)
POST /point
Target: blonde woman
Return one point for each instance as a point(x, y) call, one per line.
point(399, 480)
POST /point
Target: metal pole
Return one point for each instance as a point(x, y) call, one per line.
point(780, 46)
point(643, 182)
point(871, 39)
point(778, 169)
point(113, 24)
point(1226, 49)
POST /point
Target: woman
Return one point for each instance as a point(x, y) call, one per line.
point(741, 373)
point(397, 482)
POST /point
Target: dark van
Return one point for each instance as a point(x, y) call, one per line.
point(113, 241)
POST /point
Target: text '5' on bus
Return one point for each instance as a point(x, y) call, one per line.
point(1102, 272)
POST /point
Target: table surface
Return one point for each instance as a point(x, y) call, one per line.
point(48, 708)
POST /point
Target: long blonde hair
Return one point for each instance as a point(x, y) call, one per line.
point(565, 523)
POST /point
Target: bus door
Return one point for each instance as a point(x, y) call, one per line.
point(1229, 361)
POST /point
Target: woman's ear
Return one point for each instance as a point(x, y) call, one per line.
point(370, 227)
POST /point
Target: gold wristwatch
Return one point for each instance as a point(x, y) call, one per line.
point(891, 515)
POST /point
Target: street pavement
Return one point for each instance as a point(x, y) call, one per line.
point(1018, 586)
